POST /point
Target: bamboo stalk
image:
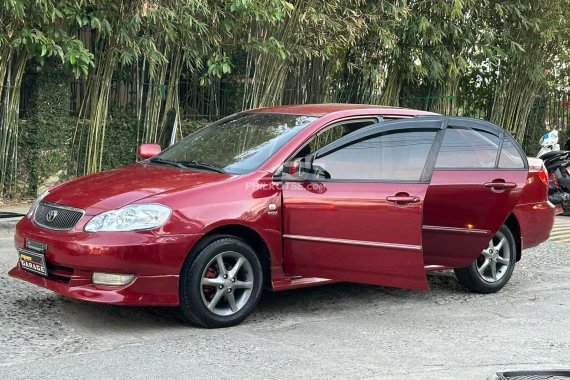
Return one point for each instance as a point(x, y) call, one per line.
point(11, 73)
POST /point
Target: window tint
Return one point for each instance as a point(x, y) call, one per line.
point(510, 156)
point(467, 148)
point(394, 156)
point(334, 133)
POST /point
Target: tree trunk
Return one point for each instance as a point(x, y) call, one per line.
point(391, 92)
point(514, 98)
point(445, 97)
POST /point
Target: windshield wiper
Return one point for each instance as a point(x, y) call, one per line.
point(157, 160)
point(202, 165)
point(187, 164)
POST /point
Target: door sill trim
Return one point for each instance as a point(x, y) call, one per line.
point(299, 282)
point(433, 268)
point(456, 230)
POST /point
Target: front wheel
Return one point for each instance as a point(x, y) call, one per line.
point(222, 285)
point(494, 267)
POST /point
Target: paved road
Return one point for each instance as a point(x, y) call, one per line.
point(561, 230)
point(338, 331)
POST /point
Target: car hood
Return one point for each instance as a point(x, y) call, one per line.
point(116, 188)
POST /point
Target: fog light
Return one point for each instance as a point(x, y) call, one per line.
point(112, 279)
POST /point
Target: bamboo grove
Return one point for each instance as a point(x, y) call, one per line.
point(283, 52)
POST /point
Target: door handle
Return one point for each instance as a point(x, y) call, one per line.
point(402, 199)
point(500, 185)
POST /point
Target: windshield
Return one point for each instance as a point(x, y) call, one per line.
point(237, 145)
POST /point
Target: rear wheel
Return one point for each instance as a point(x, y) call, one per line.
point(494, 267)
point(222, 285)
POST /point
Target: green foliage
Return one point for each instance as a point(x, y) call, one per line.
point(42, 29)
point(45, 137)
point(159, 39)
point(120, 141)
point(191, 126)
point(531, 34)
point(249, 53)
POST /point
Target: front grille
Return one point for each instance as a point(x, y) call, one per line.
point(57, 217)
point(59, 273)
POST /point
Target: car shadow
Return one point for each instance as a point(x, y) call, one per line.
point(295, 303)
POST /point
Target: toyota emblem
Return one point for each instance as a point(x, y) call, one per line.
point(51, 215)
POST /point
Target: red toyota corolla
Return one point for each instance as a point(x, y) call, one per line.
point(287, 197)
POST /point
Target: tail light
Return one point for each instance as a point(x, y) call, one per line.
point(543, 175)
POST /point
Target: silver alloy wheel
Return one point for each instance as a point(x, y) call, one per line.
point(495, 259)
point(226, 283)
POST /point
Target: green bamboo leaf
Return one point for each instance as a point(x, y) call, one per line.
point(423, 24)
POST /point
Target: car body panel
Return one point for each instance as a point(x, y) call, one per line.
point(534, 214)
point(332, 108)
point(535, 222)
point(350, 232)
point(73, 256)
point(116, 188)
point(456, 228)
point(143, 290)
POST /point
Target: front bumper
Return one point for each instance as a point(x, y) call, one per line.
point(73, 256)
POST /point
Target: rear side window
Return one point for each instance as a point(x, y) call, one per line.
point(399, 156)
point(467, 148)
point(510, 156)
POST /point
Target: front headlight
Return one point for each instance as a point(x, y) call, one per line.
point(37, 203)
point(130, 218)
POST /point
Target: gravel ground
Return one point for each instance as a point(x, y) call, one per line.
point(337, 331)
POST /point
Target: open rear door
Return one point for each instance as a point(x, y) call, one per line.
point(478, 178)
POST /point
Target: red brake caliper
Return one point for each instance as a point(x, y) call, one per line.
point(208, 289)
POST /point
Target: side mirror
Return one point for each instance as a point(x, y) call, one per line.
point(293, 168)
point(148, 150)
point(298, 169)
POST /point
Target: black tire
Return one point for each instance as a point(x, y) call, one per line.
point(203, 263)
point(471, 277)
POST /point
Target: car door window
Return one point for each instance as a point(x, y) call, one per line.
point(510, 157)
point(395, 156)
point(468, 148)
point(334, 133)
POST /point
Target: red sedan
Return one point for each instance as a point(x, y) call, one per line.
point(287, 197)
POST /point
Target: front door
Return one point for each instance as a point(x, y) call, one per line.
point(362, 222)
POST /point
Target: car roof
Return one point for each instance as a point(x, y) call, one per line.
point(328, 108)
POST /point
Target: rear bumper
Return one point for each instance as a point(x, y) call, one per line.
point(73, 256)
point(535, 221)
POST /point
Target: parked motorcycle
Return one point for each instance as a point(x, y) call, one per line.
point(548, 143)
point(557, 163)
